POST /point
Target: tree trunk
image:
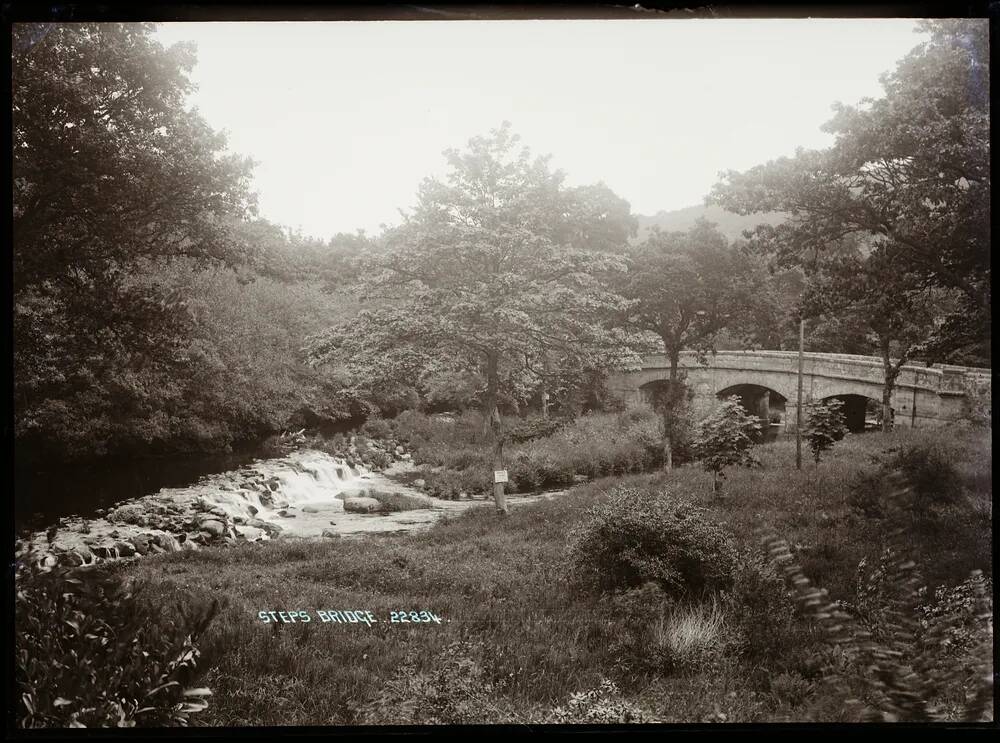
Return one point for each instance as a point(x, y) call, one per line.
point(670, 408)
point(492, 420)
point(890, 381)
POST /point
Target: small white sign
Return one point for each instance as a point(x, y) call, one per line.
point(499, 475)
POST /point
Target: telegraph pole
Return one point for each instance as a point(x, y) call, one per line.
point(798, 409)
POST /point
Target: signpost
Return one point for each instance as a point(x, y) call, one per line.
point(798, 409)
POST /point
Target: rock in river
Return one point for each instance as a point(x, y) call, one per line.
point(213, 527)
point(361, 505)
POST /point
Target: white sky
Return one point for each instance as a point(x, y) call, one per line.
point(345, 118)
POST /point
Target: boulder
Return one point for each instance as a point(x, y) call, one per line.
point(213, 527)
point(331, 534)
point(251, 533)
point(310, 509)
point(420, 483)
point(167, 542)
point(125, 549)
point(70, 559)
point(580, 478)
point(141, 543)
point(361, 505)
point(400, 450)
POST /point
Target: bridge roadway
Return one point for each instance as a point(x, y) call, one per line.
point(766, 382)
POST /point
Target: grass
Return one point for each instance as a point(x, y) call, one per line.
point(530, 638)
point(453, 457)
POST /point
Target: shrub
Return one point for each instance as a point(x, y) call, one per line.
point(761, 612)
point(824, 426)
point(534, 428)
point(377, 428)
point(90, 653)
point(726, 438)
point(636, 536)
point(601, 706)
point(454, 690)
point(378, 460)
point(928, 469)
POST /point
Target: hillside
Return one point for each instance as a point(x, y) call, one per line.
point(731, 225)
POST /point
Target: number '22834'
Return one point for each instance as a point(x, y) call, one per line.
point(414, 616)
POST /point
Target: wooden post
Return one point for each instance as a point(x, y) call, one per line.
point(798, 410)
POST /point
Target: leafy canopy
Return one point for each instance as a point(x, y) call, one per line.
point(908, 175)
point(499, 270)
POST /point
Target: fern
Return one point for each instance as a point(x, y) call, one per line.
point(894, 653)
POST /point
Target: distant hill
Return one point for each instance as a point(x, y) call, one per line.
point(729, 224)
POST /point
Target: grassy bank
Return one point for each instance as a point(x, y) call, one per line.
point(519, 636)
point(453, 458)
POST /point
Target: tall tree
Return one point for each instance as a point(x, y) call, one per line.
point(490, 274)
point(883, 297)
point(111, 175)
point(908, 173)
point(685, 288)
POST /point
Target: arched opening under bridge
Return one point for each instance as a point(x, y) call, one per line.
point(861, 413)
point(763, 402)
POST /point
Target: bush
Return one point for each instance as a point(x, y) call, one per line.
point(905, 672)
point(928, 469)
point(534, 428)
point(762, 613)
point(454, 690)
point(90, 653)
point(636, 536)
point(377, 428)
point(726, 438)
point(825, 426)
point(603, 705)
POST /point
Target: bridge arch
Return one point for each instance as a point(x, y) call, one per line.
point(857, 409)
point(757, 400)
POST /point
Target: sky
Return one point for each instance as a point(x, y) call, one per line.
point(344, 119)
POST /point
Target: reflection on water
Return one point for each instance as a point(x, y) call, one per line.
point(42, 497)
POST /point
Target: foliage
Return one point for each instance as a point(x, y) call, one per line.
point(377, 428)
point(636, 536)
point(685, 288)
point(111, 175)
point(726, 438)
point(824, 426)
point(594, 445)
point(603, 705)
point(928, 468)
point(496, 273)
point(91, 653)
point(455, 690)
point(908, 174)
point(904, 668)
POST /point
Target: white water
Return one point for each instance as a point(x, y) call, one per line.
point(303, 478)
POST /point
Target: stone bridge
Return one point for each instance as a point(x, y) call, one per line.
point(767, 383)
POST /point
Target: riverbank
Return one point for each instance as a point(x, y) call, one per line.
point(518, 637)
